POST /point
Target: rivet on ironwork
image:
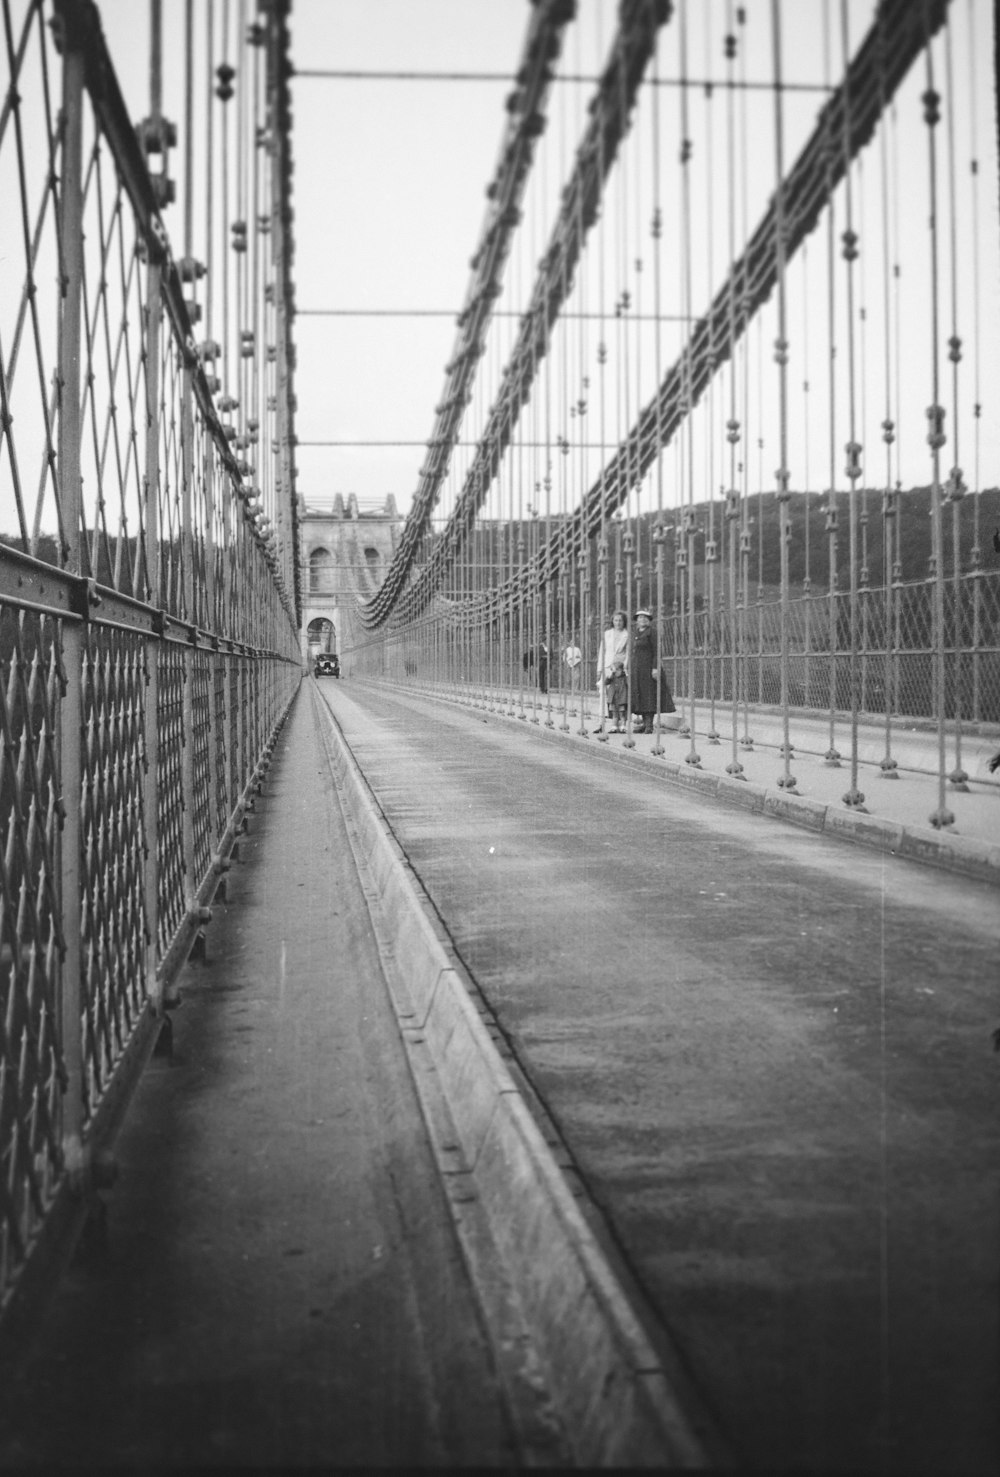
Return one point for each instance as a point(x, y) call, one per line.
point(225, 73)
point(850, 240)
point(732, 432)
point(888, 432)
point(932, 112)
point(955, 349)
point(686, 150)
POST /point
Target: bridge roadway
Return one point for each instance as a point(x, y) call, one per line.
point(767, 1051)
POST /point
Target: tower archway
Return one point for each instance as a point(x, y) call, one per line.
point(321, 635)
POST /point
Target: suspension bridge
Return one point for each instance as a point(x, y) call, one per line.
point(473, 1059)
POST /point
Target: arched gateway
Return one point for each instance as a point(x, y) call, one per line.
point(346, 546)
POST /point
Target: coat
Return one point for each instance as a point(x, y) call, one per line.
point(642, 680)
point(613, 648)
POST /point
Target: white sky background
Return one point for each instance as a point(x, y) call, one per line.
point(389, 205)
point(389, 191)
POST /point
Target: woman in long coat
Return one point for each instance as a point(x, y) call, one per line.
point(643, 674)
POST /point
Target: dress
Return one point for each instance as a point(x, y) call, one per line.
point(616, 688)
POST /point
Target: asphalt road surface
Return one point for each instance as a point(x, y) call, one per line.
point(770, 1054)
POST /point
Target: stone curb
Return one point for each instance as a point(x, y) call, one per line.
point(614, 1398)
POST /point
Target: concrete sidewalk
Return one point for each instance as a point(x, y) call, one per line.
point(281, 1285)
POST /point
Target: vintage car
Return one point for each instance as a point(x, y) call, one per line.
point(327, 664)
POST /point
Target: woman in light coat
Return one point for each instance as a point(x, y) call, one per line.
point(613, 648)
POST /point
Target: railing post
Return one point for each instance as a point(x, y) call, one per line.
point(190, 651)
point(151, 489)
point(73, 632)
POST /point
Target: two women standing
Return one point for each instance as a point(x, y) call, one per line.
point(648, 690)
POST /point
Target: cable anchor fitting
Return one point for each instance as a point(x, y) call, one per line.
point(936, 437)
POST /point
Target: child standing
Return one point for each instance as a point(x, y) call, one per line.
point(617, 694)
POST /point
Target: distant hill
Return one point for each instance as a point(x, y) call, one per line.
point(911, 534)
point(495, 544)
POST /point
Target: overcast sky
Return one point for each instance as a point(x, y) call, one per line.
point(389, 200)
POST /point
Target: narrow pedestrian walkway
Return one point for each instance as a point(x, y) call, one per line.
point(280, 1284)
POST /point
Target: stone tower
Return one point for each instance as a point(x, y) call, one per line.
point(346, 550)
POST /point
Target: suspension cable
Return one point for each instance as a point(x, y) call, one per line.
point(786, 780)
point(956, 486)
point(936, 438)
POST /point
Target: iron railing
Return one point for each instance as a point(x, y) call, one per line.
point(148, 621)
